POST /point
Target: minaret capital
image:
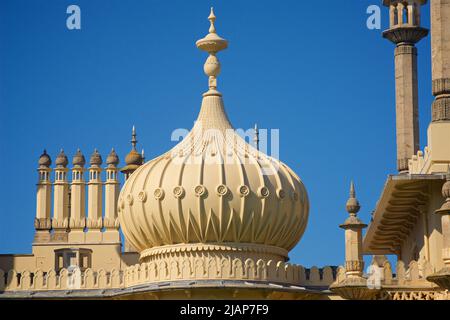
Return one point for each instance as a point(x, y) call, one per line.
point(405, 34)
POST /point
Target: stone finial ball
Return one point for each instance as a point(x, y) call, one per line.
point(212, 66)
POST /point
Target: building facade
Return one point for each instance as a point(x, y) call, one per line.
point(214, 217)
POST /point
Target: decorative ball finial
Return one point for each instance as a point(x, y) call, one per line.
point(352, 206)
point(212, 44)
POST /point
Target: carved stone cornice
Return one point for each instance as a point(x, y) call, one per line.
point(405, 34)
point(441, 278)
point(354, 288)
point(215, 249)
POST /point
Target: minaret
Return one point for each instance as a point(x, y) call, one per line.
point(354, 286)
point(60, 222)
point(442, 277)
point(42, 223)
point(111, 222)
point(77, 199)
point(440, 52)
point(134, 159)
point(95, 199)
point(353, 227)
point(405, 31)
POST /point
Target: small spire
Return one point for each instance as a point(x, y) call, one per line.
point(212, 19)
point(133, 138)
point(256, 136)
point(143, 155)
point(352, 190)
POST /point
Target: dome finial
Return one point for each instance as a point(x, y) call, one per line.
point(256, 136)
point(212, 44)
point(352, 203)
point(133, 138)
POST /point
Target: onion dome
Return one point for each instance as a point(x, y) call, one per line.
point(44, 160)
point(78, 159)
point(61, 160)
point(96, 159)
point(213, 191)
point(133, 159)
point(112, 159)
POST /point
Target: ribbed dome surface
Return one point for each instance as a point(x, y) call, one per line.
point(213, 187)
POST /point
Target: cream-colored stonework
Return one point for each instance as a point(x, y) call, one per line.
point(215, 218)
point(411, 218)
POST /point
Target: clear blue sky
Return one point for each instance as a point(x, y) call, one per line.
point(311, 69)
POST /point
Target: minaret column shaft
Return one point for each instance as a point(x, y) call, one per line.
point(405, 31)
point(95, 205)
point(407, 110)
point(111, 222)
point(445, 221)
point(354, 263)
point(60, 222)
point(77, 206)
point(42, 223)
point(440, 51)
point(43, 196)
